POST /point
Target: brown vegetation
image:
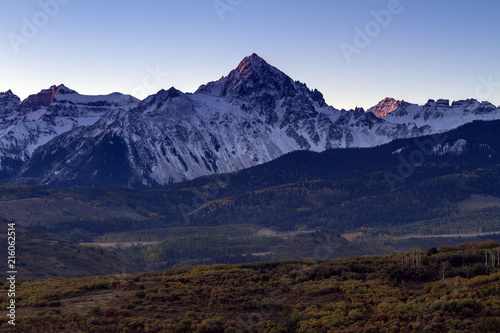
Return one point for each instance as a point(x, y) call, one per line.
point(443, 289)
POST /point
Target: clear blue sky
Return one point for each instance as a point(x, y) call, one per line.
point(428, 49)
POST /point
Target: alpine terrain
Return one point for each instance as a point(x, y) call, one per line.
point(253, 115)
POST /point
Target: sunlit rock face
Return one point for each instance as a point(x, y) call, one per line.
point(384, 107)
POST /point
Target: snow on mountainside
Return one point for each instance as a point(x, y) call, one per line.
point(29, 124)
point(441, 115)
point(253, 115)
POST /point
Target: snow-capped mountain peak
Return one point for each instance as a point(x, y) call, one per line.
point(8, 100)
point(8, 94)
point(252, 115)
point(384, 107)
point(43, 98)
point(439, 114)
point(252, 77)
point(170, 102)
point(47, 96)
point(27, 125)
point(166, 94)
point(63, 90)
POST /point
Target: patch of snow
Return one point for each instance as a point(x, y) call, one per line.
point(457, 148)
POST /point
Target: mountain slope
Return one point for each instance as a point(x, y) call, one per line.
point(29, 124)
point(401, 182)
point(253, 115)
point(405, 181)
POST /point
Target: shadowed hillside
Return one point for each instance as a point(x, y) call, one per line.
point(39, 255)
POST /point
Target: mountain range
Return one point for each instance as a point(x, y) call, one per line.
point(253, 115)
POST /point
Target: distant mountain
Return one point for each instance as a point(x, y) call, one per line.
point(253, 115)
point(27, 125)
point(440, 115)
